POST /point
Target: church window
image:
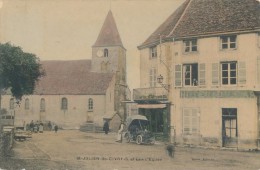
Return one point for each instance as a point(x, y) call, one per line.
point(26, 105)
point(105, 52)
point(42, 105)
point(12, 103)
point(64, 103)
point(90, 104)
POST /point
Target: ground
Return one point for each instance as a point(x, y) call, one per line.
point(79, 150)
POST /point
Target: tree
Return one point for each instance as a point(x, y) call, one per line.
point(19, 71)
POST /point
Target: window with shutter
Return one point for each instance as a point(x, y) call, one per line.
point(178, 75)
point(242, 72)
point(190, 121)
point(215, 74)
point(202, 74)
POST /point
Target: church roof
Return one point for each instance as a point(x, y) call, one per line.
point(109, 35)
point(208, 17)
point(72, 77)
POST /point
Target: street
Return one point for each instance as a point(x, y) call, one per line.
point(72, 149)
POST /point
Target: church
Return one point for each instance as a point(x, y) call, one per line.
point(74, 93)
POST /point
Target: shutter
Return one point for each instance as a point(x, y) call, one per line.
point(202, 74)
point(215, 74)
point(151, 77)
point(242, 72)
point(187, 120)
point(178, 75)
point(154, 76)
point(195, 121)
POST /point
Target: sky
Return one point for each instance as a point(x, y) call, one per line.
point(67, 29)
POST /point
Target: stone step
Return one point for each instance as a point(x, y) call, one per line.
point(90, 127)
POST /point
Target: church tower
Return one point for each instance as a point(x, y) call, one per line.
point(109, 56)
point(108, 52)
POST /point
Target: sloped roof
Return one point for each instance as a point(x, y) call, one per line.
point(109, 35)
point(72, 78)
point(205, 17)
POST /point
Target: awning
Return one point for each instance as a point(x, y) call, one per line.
point(151, 106)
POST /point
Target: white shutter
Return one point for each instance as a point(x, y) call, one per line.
point(186, 120)
point(178, 75)
point(154, 77)
point(151, 77)
point(215, 74)
point(195, 121)
point(202, 74)
point(242, 73)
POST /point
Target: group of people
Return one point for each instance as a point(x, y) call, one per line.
point(120, 130)
point(38, 126)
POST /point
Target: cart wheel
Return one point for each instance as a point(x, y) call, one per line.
point(139, 139)
point(127, 137)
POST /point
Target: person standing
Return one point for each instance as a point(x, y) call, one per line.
point(56, 128)
point(106, 127)
point(120, 132)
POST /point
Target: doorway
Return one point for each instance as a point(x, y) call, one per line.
point(229, 127)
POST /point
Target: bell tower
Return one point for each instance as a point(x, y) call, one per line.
point(109, 56)
point(108, 52)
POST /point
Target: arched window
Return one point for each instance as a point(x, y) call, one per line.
point(90, 104)
point(42, 105)
point(105, 52)
point(64, 103)
point(12, 103)
point(26, 104)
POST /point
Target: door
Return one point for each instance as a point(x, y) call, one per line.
point(229, 127)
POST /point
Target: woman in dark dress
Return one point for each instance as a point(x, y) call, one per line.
point(106, 127)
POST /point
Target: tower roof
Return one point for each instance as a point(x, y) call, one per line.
point(108, 35)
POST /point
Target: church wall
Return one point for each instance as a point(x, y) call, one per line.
point(76, 114)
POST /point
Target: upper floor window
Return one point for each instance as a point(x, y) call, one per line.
point(42, 105)
point(153, 77)
point(26, 105)
point(190, 45)
point(105, 52)
point(11, 103)
point(64, 103)
point(90, 104)
point(193, 74)
point(153, 52)
point(228, 42)
point(190, 74)
point(228, 73)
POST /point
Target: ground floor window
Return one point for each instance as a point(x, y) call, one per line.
point(190, 121)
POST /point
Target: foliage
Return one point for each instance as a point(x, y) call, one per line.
point(19, 70)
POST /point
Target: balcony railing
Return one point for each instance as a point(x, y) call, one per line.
point(155, 93)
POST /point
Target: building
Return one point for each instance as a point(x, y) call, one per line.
point(208, 53)
point(78, 92)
